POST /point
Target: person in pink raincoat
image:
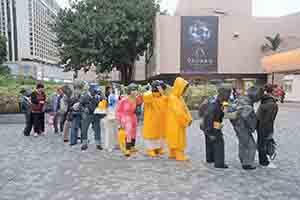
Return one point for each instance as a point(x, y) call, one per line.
point(126, 115)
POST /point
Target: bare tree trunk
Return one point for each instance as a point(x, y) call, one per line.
point(126, 73)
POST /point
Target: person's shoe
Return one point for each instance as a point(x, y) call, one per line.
point(160, 151)
point(73, 144)
point(264, 164)
point(210, 161)
point(151, 153)
point(272, 166)
point(35, 135)
point(65, 141)
point(26, 134)
point(84, 147)
point(127, 153)
point(99, 147)
point(181, 157)
point(172, 154)
point(133, 150)
point(222, 166)
point(248, 167)
point(56, 132)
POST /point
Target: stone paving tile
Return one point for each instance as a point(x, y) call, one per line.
point(45, 168)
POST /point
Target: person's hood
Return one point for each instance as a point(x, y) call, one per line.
point(132, 87)
point(28, 93)
point(179, 86)
point(267, 98)
point(254, 94)
point(155, 85)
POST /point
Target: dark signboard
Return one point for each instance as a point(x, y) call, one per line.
point(199, 44)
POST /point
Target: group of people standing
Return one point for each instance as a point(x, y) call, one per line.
point(245, 121)
point(33, 106)
point(166, 118)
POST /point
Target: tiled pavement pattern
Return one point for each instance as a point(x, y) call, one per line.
point(46, 169)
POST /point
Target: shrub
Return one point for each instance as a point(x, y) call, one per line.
point(4, 70)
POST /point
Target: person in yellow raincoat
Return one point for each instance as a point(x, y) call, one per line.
point(178, 118)
point(155, 104)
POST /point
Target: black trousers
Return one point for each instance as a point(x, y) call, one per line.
point(262, 138)
point(215, 148)
point(38, 122)
point(28, 124)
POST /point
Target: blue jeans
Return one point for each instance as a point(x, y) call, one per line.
point(87, 120)
point(76, 124)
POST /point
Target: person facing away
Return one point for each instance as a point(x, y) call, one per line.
point(266, 115)
point(26, 109)
point(64, 110)
point(244, 125)
point(38, 100)
point(55, 109)
point(88, 104)
point(178, 118)
point(155, 104)
point(75, 113)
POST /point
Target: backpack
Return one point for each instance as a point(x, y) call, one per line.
point(202, 113)
point(271, 148)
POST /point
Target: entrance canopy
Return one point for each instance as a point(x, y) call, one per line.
point(282, 62)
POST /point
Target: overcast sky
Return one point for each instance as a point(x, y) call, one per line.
point(260, 7)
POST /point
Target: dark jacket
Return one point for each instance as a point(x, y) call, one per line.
point(266, 115)
point(36, 99)
point(215, 114)
point(89, 103)
point(246, 120)
point(74, 100)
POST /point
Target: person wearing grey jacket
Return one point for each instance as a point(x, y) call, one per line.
point(25, 108)
point(244, 125)
point(88, 104)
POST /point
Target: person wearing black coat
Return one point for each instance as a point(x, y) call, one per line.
point(214, 141)
point(266, 115)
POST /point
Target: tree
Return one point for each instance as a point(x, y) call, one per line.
point(3, 51)
point(273, 43)
point(108, 33)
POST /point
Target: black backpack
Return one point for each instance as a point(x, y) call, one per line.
point(203, 111)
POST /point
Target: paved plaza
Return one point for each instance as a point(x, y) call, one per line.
point(46, 169)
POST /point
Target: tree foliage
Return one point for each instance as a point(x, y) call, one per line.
point(273, 43)
point(3, 50)
point(108, 33)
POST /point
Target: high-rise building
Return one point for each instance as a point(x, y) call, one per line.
point(26, 25)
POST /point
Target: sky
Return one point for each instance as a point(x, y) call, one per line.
point(260, 7)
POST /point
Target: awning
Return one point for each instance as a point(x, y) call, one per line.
point(282, 62)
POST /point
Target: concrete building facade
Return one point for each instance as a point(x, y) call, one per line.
point(240, 38)
point(26, 25)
